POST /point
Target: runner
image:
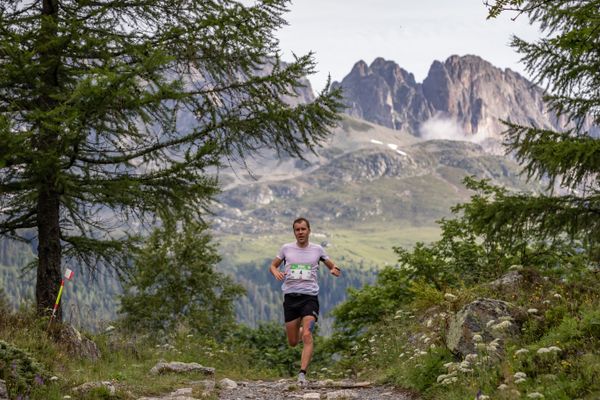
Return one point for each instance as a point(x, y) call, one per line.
point(301, 304)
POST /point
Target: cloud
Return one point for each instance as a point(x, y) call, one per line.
point(443, 128)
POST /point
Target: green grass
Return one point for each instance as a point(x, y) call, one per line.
point(369, 245)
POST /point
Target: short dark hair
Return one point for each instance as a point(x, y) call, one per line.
point(301, 219)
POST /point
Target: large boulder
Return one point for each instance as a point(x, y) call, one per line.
point(483, 321)
point(177, 366)
point(3, 391)
point(76, 344)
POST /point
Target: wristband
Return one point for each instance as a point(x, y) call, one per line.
point(336, 267)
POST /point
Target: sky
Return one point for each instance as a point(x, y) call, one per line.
point(413, 33)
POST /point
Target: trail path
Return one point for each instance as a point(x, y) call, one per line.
point(284, 389)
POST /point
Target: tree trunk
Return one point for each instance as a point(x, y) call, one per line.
point(48, 202)
point(49, 251)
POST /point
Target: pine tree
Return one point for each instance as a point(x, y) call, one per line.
point(566, 61)
point(174, 282)
point(113, 111)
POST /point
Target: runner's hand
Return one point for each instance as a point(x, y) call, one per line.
point(335, 271)
point(278, 275)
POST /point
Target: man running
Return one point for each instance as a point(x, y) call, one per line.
point(301, 304)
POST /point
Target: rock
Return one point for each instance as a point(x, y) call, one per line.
point(76, 344)
point(88, 386)
point(512, 279)
point(227, 384)
point(313, 395)
point(3, 391)
point(207, 384)
point(342, 394)
point(489, 318)
point(177, 366)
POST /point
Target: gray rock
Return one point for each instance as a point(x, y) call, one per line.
point(227, 384)
point(3, 391)
point(312, 395)
point(342, 394)
point(76, 344)
point(512, 279)
point(488, 318)
point(88, 386)
point(177, 366)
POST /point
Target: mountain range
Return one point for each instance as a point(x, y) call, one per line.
point(391, 168)
point(394, 164)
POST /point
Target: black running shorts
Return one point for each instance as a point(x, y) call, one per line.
point(298, 305)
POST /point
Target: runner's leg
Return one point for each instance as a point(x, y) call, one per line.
point(291, 329)
point(308, 323)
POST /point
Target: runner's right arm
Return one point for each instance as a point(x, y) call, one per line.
point(275, 269)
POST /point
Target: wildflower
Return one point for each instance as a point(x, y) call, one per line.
point(535, 395)
point(521, 351)
point(503, 387)
point(557, 296)
point(490, 323)
point(502, 326)
point(441, 378)
point(449, 297)
point(515, 267)
point(520, 375)
point(532, 311)
point(555, 349)
point(471, 357)
point(38, 380)
point(520, 380)
point(449, 381)
point(477, 338)
point(543, 350)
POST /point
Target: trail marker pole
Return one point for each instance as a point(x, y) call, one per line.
point(68, 276)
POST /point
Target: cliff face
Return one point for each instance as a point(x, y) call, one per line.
point(467, 90)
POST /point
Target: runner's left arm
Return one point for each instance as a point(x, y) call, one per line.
point(335, 270)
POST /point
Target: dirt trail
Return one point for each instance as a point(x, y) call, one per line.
point(286, 389)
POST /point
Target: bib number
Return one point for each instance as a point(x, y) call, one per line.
point(300, 271)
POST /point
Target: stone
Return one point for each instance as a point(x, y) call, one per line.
point(227, 384)
point(177, 366)
point(512, 279)
point(342, 394)
point(313, 395)
point(473, 320)
point(77, 344)
point(3, 391)
point(88, 386)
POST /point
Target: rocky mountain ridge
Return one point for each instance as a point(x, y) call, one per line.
point(468, 94)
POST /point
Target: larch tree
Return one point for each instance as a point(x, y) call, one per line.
point(112, 112)
point(566, 61)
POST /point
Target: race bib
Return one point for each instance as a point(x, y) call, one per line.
point(300, 271)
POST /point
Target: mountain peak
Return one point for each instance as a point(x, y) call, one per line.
point(466, 92)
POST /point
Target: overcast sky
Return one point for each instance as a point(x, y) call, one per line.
point(413, 33)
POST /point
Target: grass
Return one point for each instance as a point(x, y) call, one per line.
point(557, 353)
point(369, 245)
point(126, 362)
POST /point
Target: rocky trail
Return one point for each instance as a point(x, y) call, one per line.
point(227, 389)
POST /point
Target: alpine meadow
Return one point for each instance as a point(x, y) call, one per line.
point(162, 148)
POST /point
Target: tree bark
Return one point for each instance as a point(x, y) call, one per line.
point(49, 251)
point(48, 202)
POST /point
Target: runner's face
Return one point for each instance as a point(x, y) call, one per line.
point(301, 232)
